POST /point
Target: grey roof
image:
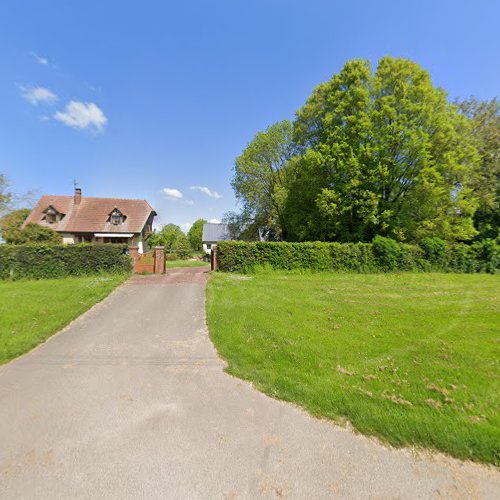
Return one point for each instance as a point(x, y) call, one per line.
point(215, 232)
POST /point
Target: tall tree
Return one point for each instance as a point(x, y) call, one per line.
point(5, 195)
point(195, 235)
point(172, 238)
point(484, 117)
point(382, 153)
point(10, 225)
point(262, 175)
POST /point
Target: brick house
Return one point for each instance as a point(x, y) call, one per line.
point(80, 219)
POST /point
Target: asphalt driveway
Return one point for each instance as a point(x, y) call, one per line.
point(131, 401)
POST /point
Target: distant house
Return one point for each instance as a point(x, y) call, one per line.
point(80, 219)
point(212, 234)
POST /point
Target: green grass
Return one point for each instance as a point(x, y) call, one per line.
point(185, 263)
point(410, 358)
point(31, 311)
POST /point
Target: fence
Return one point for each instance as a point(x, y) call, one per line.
point(152, 262)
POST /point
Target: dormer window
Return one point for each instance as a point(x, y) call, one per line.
point(52, 216)
point(116, 217)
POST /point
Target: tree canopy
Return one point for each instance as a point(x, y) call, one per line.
point(173, 239)
point(10, 225)
point(371, 152)
point(484, 117)
point(195, 235)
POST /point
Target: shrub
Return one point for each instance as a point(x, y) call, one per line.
point(387, 253)
point(57, 261)
point(434, 249)
point(380, 256)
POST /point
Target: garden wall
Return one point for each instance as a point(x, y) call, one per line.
point(57, 261)
point(382, 255)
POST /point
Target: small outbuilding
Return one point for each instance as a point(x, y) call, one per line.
point(212, 234)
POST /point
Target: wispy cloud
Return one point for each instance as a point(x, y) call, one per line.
point(36, 95)
point(40, 60)
point(172, 193)
point(207, 191)
point(82, 115)
point(214, 221)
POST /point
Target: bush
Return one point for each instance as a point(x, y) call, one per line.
point(387, 253)
point(434, 249)
point(380, 256)
point(57, 261)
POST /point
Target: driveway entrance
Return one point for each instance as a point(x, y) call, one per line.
point(131, 401)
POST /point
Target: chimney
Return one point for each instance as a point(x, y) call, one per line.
point(78, 196)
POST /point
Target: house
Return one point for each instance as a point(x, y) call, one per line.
point(213, 233)
point(80, 219)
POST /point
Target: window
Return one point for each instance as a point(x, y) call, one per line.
point(116, 217)
point(51, 215)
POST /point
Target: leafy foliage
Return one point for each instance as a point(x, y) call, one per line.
point(5, 195)
point(383, 154)
point(374, 153)
point(262, 176)
point(382, 255)
point(37, 261)
point(484, 117)
point(10, 225)
point(173, 239)
point(34, 233)
point(387, 252)
point(195, 235)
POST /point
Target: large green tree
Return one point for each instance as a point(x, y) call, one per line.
point(484, 117)
point(173, 239)
point(34, 233)
point(262, 176)
point(5, 195)
point(382, 153)
point(10, 225)
point(195, 235)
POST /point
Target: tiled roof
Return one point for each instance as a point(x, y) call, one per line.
point(92, 214)
point(215, 232)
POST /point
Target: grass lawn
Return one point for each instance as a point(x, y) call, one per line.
point(410, 358)
point(185, 263)
point(31, 311)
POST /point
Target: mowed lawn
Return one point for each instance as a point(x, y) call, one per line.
point(31, 311)
point(410, 358)
point(169, 264)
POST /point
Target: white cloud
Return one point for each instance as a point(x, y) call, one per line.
point(36, 95)
point(41, 60)
point(186, 226)
point(189, 202)
point(172, 194)
point(81, 115)
point(214, 221)
point(207, 191)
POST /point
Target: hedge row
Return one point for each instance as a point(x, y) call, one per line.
point(382, 255)
point(57, 261)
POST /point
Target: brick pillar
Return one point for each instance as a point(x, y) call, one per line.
point(159, 260)
point(213, 258)
point(134, 253)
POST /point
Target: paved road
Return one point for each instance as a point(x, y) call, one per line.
point(131, 401)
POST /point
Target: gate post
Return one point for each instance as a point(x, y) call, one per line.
point(213, 258)
point(134, 253)
point(159, 260)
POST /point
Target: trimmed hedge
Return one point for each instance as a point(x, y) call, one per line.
point(58, 261)
point(382, 255)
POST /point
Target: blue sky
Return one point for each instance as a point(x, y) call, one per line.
point(155, 99)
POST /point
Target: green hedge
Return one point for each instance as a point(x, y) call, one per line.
point(382, 255)
point(57, 261)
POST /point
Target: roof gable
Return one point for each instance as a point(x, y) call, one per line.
point(93, 214)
